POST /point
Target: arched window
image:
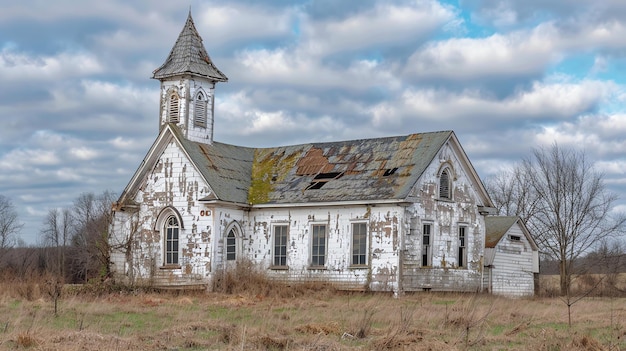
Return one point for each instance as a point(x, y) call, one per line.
point(200, 110)
point(172, 229)
point(231, 245)
point(444, 185)
point(172, 108)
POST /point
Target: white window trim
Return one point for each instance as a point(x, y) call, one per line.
point(273, 228)
point(311, 225)
point(431, 225)
point(462, 262)
point(367, 241)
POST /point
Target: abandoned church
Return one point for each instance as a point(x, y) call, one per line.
point(402, 213)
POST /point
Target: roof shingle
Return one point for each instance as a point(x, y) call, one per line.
point(188, 56)
point(354, 170)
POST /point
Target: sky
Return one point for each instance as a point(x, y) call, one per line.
point(79, 110)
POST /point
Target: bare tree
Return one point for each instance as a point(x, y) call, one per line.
point(9, 223)
point(564, 203)
point(92, 216)
point(56, 233)
point(512, 193)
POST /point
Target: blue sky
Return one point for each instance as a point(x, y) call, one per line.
point(79, 109)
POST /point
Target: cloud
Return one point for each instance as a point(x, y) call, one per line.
point(381, 26)
point(80, 110)
point(16, 66)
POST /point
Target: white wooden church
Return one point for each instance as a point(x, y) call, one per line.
point(402, 213)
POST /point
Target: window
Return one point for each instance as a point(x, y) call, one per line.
point(515, 238)
point(462, 249)
point(172, 109)
point(359, 244)
point(444, 185)
point(426, 246)
point(171, 240)
point(280, 245)
point(318, 246)
point(231, 246)
point(199, 112)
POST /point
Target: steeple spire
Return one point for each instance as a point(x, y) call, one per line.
point(188, 56)
point(188, 79)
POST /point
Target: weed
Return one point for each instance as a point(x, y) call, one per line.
point(25, 340)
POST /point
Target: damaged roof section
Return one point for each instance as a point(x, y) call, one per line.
point(355, 170)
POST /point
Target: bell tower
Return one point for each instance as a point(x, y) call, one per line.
point(188, 79)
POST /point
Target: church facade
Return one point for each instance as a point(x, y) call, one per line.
point(402, 213)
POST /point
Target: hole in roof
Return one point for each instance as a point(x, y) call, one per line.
point(322, 178)
point(328, 176)
point(390, 171)
point(315, 185)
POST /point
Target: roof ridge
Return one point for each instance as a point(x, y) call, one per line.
point(339, 141)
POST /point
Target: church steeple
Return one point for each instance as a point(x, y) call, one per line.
point(188, 78)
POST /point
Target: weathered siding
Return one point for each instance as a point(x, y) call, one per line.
point(512, 271)
point(187, 90)
point(445, 217)
point(393, 233)
point(173, 185)
point(380, 272)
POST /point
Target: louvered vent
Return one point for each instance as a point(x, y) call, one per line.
point(172, 111)
point(199, 113)
point(444, 185)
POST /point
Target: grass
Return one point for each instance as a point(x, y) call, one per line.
point(248, 312)
point(320, 320)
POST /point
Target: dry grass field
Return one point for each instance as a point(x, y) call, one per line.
point(303, 319)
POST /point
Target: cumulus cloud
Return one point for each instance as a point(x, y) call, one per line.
point(383, 25)
point(80, 112)
point(16, 66)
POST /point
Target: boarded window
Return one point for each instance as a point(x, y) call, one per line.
point(200, 111)
point(231, 246)
point(173, 109)
point(171, 240)
point(359, 243)
point(426, 246)
point(280, 245)
point(444, 185)
point(462, 247)
point(318, 245)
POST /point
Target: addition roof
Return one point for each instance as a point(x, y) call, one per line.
point(497, 226)
point(188, 56)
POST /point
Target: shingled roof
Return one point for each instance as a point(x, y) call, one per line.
point(496, 227)
point(188, 56)
point(354, 170)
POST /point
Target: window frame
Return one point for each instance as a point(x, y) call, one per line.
point(462, 246)
point(427, 249)
point(278, 254)
point(359, 253)
point(230, 245)
point(171, 252)
point(315, 255)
